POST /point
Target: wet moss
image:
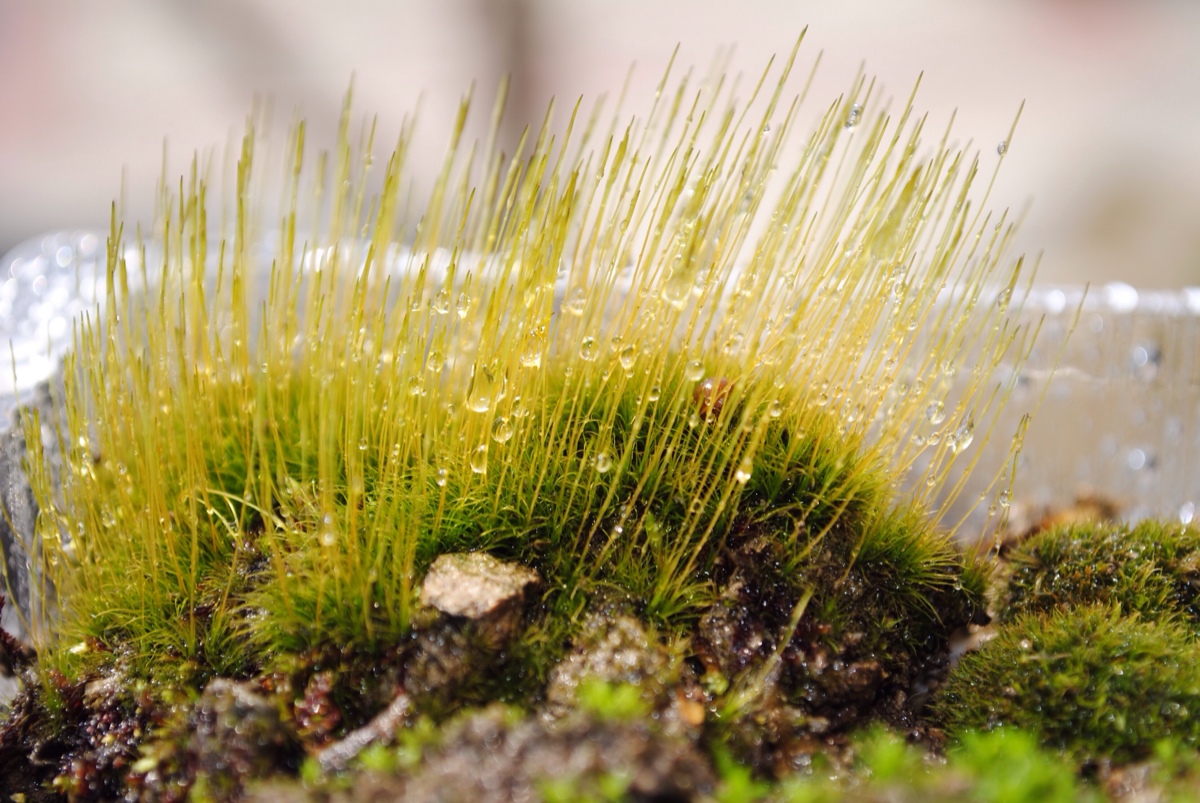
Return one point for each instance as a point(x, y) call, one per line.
point(1090, 681)
point(706, 433)
point(1151, 569)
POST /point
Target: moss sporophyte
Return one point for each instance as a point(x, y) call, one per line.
point(699, 370)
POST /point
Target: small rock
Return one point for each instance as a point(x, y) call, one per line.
point(490, 760)
point(479, 602)
point(238, 735)
point(616, 649)
point(474, 585)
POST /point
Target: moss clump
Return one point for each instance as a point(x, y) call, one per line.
point(1001, 766)
point(642, 368)
point(1150, 569)
point(1089, 681)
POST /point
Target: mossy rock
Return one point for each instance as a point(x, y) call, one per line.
point(1152, 569)
point(1090, 681)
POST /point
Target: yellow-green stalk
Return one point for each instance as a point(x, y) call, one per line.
point(609, 357)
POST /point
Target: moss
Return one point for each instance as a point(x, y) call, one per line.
point(1089, 681)
point(1001, 766)
point(591, 360)
point(1150, 569)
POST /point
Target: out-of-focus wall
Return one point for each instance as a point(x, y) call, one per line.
point(1108, 148)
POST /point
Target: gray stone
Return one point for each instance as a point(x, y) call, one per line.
point(21, 552)
point(615, 648)
point(474, 585)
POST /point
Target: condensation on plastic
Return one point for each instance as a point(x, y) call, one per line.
point(1118, 420)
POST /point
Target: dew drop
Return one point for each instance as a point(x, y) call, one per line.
point(853, 116)
point(576, 302)
point(962, 437)
point(531, 355)
point(602, 462)
point(744, 470)
point(441, 302)
point(1002, 147)
point(936, 412)
point(676, 290)
point(435, 361)
point(463, 305)
point(694, 371)
point(479, 459)
point(823, 400)
point(588, 349)
point(775, 409)
point(627, 356)
point(1005, 498)
point(485, 389)
point(654, 394)
point(733, 343)
point(362, 444)
point(502, 430)
point(1003, 298)
point(440, 477)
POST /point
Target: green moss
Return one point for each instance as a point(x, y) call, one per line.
point(1089, 681)
point(1150, 569)
point(613, 360)
point(1001, 766)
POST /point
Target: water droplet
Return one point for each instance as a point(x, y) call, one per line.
point(936, 412)
point(479, 459)
point(531, 355)
point(677, 289)
point(852, 116)
point(627, 356)
point(733, 343)
point(502, 430)
point(744, 470)
point(694, 371)
point(328, 535)
point(1187, 511)
point(441, 302)
point(654, 394)
point(1005, 498)
point(766, 128)
point(463, 305)
point(918, 439)
point(576, 302)
point(823, 400)
point(363, 445)
point(486, 388)
point(602, 462)
point(962, 437)
point(588, 349)
point(1002, 147)
point(440, 477)
point(435, 361)
point(935, 438)
point(775, 409)
point(693, 420)
point(1003, 298)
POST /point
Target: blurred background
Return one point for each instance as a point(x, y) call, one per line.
point(1107, 151)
